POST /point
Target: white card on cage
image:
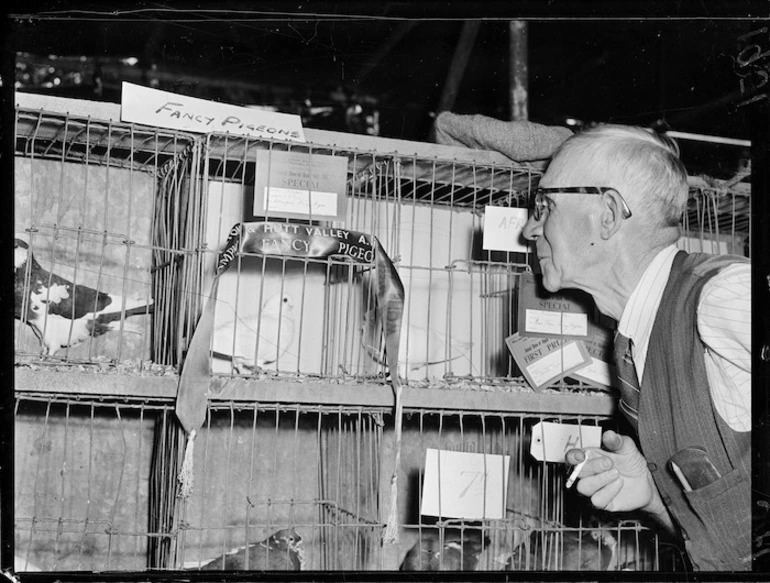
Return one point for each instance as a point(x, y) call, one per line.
point(502, 229)
point(465, 485)
point(550, 441)
point(155, 107)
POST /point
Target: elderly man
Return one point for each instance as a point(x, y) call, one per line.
point(606, 220)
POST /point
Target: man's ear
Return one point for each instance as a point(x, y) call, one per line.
point(611, 214)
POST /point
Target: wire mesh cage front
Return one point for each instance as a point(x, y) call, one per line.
point(93, 254)
point(97, 488)
point(540, 524)
point(316, 316)
point(140, 214)
point(292, 487)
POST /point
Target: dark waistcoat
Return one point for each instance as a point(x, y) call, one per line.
point(676, 411)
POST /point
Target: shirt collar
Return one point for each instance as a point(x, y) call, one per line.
point(639, 313)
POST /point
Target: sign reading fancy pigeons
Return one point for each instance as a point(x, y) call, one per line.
point(179, 112)
point(291, 240)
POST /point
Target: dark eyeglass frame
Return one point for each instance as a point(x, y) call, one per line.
point(541, 206)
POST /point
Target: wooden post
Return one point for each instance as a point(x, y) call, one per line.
point(459, 62)
point(519, 71)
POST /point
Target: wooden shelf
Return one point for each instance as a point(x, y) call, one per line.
point(89, 385)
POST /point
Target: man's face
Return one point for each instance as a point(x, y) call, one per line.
point(563, 236)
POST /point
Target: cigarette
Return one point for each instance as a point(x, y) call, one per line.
point(573, 476)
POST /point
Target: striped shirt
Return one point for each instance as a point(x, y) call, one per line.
point(724, 325)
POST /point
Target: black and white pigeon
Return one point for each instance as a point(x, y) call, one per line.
point(282, 551)
point(60, 312)
point(459, 552)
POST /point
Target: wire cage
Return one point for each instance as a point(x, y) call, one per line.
point(292, 466)
point(96, 486)
point(140, 214)
point(96, 490)
point(541, 524)
point(427, 213)
point(718, 219)
point(93, 256)
point(305, 316)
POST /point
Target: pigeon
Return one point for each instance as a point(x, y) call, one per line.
point(419, 347)
point(460, 552)
point(62, 313)
point(275, 325)
point(587, 550)
point(282, 551)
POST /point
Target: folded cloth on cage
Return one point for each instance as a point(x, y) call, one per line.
point(521, 141)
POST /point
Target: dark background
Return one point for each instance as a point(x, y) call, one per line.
point(657, 64)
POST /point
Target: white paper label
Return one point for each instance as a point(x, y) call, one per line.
point(574, 324)
point(550, 441)
point(557, 323)
point(465, 485)
point(503, 228)
point(293, 200)
point(555, 363)
point(598, 371)
point(171, 110)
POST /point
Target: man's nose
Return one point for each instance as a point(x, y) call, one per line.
point(532, 229)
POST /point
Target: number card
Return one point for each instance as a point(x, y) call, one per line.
point(503, 228)
point(550, 441)
point(465, 485)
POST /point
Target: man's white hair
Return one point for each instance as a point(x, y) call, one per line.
point(642, 165)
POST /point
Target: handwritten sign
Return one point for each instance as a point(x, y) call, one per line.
point(465, 485)
point(299, 185)
point(503, 228)
point(179, 112)
point(551, 441)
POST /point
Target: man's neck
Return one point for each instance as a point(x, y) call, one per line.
point(619, 279)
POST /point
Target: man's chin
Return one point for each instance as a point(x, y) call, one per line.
point(552, 284)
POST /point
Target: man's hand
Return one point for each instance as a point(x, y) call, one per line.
point(617, 479)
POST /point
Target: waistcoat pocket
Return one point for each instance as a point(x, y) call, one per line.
point(724, 506)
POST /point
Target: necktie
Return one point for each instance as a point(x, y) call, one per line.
point(629, 383)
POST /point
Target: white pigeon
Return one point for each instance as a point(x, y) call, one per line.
point(419, 347)
point(273, 325)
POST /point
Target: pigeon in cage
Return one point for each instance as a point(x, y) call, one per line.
point(281, 551)
point(591, 550)
point(506, 537)
point(273, 325)
point(419, 347)
point(459, 552)
point(62, 313)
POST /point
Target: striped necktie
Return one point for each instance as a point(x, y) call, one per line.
point(629, 383)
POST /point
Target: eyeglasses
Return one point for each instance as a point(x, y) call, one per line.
point(541, 201)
